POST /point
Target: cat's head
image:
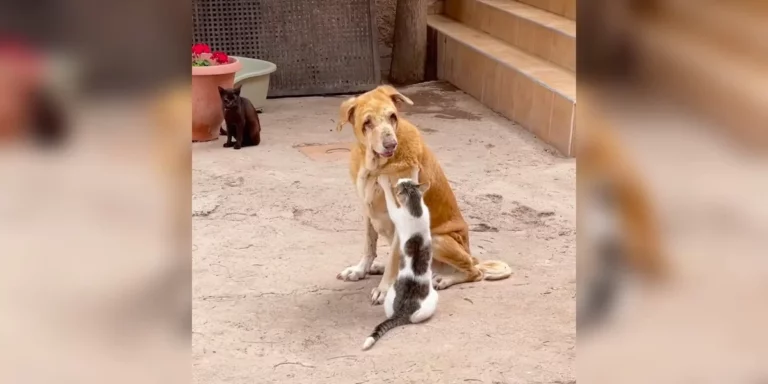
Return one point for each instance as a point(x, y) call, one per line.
point(408, 190)
point(230, 98)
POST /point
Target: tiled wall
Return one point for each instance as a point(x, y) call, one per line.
point(515, 95)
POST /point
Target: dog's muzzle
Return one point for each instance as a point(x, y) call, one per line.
point(389, 147)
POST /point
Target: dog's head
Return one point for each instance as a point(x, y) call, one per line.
point(374, 117)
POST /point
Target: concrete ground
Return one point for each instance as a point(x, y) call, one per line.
point(274, 224)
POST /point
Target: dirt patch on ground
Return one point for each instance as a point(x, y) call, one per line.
point(273, 227)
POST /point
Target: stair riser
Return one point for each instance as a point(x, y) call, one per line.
point(518, 97)
point(536, 39)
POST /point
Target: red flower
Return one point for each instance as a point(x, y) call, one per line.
point(199, 49)
point(220, 57)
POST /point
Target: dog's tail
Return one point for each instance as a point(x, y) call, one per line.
point(494, 269)
point(383, 328)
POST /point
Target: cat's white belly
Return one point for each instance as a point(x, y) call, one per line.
point(389, 302)
point(428, 307)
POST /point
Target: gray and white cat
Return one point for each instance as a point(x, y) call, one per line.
point(412, 298)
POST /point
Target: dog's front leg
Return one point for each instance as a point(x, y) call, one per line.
point(357, 272)
point(390, 274)
point(370, 193)
point(360, 183)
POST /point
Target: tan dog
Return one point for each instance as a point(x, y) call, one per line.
point(389, 145)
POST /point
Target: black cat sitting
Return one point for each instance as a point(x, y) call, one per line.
point(241, 119)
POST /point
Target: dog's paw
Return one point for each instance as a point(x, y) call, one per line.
point(353, 273)
point(441, 282)
point(377, 268)
point(228, 145)
point(378, 294)
point(237, 146)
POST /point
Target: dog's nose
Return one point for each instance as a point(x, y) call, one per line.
point(390, 145)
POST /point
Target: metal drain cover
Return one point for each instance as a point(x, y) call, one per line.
point(326, 152)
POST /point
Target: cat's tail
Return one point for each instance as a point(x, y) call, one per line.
point(383, 328)
point(494, 269)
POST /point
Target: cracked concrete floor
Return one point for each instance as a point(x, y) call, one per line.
point(272, 228)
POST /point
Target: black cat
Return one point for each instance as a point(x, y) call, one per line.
point(241, 118)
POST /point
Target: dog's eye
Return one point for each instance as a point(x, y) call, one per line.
point(393, 118)
point(367, 124)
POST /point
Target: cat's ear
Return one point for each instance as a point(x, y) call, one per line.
point(394, 94)
point(222, 91)
point(346, 113)
point(237, 89)
point(423, 188)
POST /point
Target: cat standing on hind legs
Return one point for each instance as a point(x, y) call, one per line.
point(412, 298)
point(241, 119)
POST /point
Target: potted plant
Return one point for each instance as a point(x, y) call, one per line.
point(210, 70)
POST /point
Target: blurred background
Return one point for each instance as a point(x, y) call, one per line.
point(672, 256)
point(95, 234)
point(672, 178)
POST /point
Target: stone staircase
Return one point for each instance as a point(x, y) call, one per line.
point(516, 57)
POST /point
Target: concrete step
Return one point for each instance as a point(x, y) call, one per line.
point(565, 8)
point(536, 94)
point(726, 87)
point(535, 31)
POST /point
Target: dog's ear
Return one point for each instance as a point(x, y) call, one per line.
point(346, 113)
point(423, 187)
point(222, 91)
point(395, 95)
point(237, 89)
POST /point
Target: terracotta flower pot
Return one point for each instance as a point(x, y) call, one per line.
point(207, 114)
